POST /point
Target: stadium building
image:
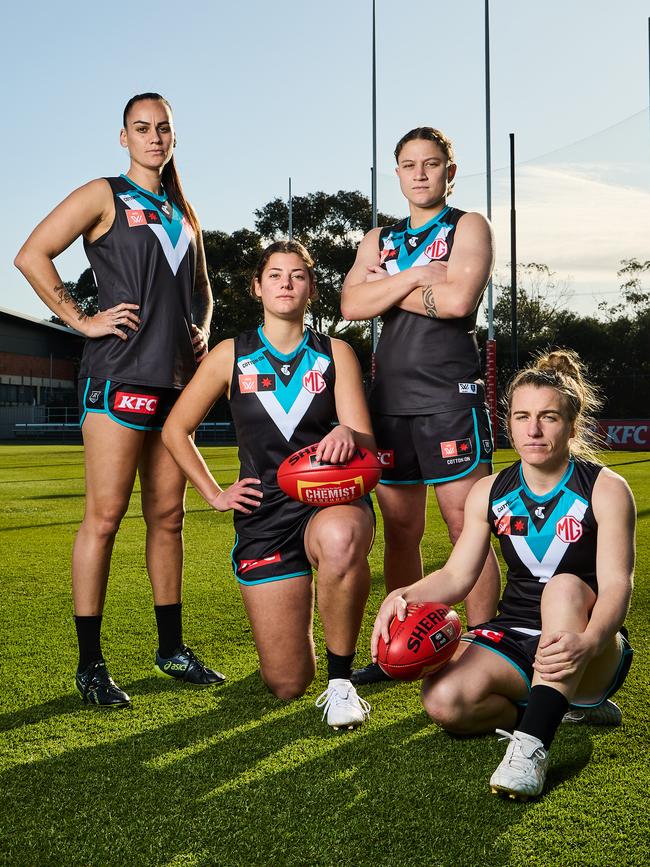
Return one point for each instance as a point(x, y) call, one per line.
point(39, 362)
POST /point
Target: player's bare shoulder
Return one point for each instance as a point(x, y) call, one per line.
point(612, 493)
point(474, 224)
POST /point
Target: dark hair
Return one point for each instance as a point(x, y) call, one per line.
point(170, 178)
point(429, 133)
point(563, 370)
point(284, 247)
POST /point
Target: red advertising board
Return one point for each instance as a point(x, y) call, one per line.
point(627, 434)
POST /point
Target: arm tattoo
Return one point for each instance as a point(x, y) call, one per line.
point(64, 296)
point(429, 302)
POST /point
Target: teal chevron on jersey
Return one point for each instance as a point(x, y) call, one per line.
point(541, 549)
point(173, 232)
point(143, 201)
point(560, 535)
point(412, 244)
point(290, 400)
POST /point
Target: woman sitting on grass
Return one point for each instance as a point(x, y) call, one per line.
point(287, 386)
point(566, 528)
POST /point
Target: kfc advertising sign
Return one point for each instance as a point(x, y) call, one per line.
point(625, 434)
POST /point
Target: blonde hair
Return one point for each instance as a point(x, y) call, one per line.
point(564, 371)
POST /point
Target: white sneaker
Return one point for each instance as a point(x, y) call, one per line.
point(522, 771)
point(606, 714)
point(342, 706)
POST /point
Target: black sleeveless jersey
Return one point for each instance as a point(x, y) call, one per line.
point(147, 257)
point(424, 365)
point(279, 404)
point(543, 535)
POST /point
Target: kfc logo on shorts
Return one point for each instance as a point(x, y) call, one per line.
point(135, 218)
point(437, 249)
point(569, 529)
point(247, 565)
point(386, 457)
point(143, 404)
point(314, 382)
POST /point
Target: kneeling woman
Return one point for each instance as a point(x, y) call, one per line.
point(287, 386)
point(566, 529)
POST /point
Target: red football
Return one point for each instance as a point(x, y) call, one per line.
point(304, 478)
point(422, 643)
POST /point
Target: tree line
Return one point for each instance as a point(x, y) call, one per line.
point(614, 343)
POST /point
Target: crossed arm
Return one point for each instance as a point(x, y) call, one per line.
point(442, 291)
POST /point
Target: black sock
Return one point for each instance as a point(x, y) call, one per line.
point(170, 628)
point(546, 707)
point(521, 710)
point(90, 649)
point(339, 666)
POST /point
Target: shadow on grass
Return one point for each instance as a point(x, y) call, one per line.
point(76, 523)
point(71, 702)
point(51, 479)
point(254, 781)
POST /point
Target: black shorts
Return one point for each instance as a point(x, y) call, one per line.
point(431, 449)
point(518, 646)
point(259, 561)
point(140, 407)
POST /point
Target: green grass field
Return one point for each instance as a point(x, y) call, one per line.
point(232, 776)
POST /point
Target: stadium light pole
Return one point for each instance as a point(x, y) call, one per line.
point(513, 259)
point(373, 183)
point(490, 346)
point(290, 213)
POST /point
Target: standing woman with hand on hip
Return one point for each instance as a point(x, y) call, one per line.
point(144, 244)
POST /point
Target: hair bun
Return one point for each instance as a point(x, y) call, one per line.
point(564, 361)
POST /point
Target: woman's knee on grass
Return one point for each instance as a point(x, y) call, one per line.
point(289, 684)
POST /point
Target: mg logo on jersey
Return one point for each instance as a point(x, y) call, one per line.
point(145, 404)
point(569, 529)
point(314, 382)
point(386, 457)
point(135, 218)
point(437, 249)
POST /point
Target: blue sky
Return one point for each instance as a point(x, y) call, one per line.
point(262, 91)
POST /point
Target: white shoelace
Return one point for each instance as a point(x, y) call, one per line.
point(519, 757)
point(333, 696)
